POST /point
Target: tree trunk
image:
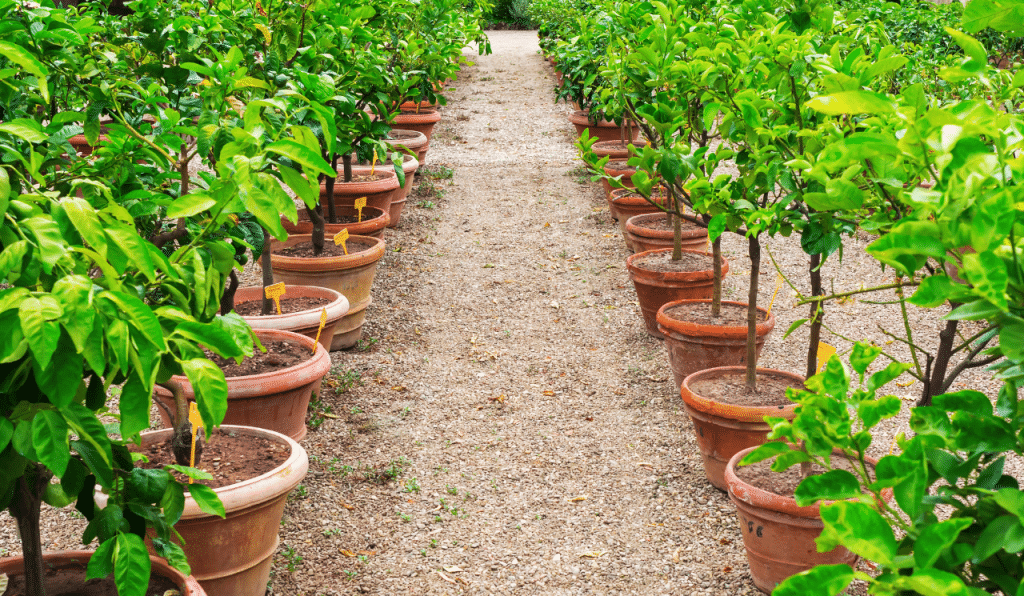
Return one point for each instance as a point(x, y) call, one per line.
point(934, 383)
point(316, 215)
point(24, 507)
point(817, 314)
point(331, 211)
point(347, 161)
point(227, 301)
point(754, 251)
point(268, 275)
point(716, 292)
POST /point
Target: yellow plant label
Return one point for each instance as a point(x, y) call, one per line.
point(323, 321)
point(373, 165)
point(778, 286)
point(360, 203)
point(275, 292)
point(825, 352)
point(340, 238)
point(197, 425)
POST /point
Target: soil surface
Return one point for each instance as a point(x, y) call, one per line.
point(662, 224)
point(279, 354)
point(403, 135)
point(158, 586)
point(700, 313)
point(230, 459)
point(288, 305)
point(784, 483)
point(662, 262)
point(305, 249)
point(732, 389)
point(506, 426)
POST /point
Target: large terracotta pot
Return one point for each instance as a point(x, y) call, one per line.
point(374, 221)
point(641, 234)
point(409, 141)
point(623, 204)
point(723, 429)
point(421, 121)
point(64, 573)
point(275, 400)
point(604, 130)
point(694, 347)
point(306, 322)
point(351, 275)
point(378, 192)
point(618, 167)
point(233, 556)
point(655, 288)
point(778, 535)
point(409, 166)
point(614, 149)
point(412, 106)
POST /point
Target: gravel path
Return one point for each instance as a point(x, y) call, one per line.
point(505, 379)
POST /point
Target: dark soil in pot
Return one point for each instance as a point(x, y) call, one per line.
point(158, 586)
point(305, 250)
point(288, 305)
point(700, 313)
point(279, 354)
point(228, 457)
point(662, 261)
point(732, 389)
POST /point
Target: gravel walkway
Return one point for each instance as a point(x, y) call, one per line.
point(506, 382)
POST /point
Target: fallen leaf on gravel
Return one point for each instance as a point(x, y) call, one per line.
point(554, 304)
point(589, 418)
point(453, 569)
point(327, 415)
point(347, 553)
point(398, 388)
point(726, 569)
point(446, 578)
point(594, 554)
point(488, 266)
point(549, 393)
point(675, 555)
point(500, 398)
point(576, 499)
point(725, 541)
point(907, 384)
point(368, 553)
point(645, 464)
point(547, 225)
point(347, 506)
point(462, 581)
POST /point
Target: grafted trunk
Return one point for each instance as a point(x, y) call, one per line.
point(25, 507)
point(817, 314)
point(754, 251)
point(716, 292)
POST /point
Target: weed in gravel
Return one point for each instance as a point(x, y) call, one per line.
point(291, 559)
point(440, 470)
point(318, 412)
point(426, 204)
point(439, 172)
point(405, 412)
point(300, 492)
point(411, 486)
point(433, 543)
point(387, 472)
point(404, 517)
point(364, 345)
point(580, 174)
point(429, 190)
point(331, 532)
point(451, 490)
point(351, 575)
point(356, 410)
point(349, 379)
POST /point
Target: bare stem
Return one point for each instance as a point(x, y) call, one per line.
point(754, 251)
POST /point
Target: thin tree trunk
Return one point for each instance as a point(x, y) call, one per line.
point(716, 292)
point(754, 251)
point(268, 274)
point(817, 314)
point(935, 382)
point(331, 211)
point(25, 507)
point(347, 161)
point(316, 215)
point(227, 301)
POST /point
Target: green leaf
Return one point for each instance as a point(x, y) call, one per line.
point(101, 564)
point(309, 193)
point(206, 499)
point(24, 128)
point(50, 441)
point(934, 291)
point(6, 432)
point(862, 356)
point(988, 274)
point(210, 336)
point(973, 311)
point(832, 486)
point(851, 102)
point(823, 580)
point(860, 529)
point(302, 155)
point(1011, 338)
point(147, 486)
point(173, 502)
point(936, 539)
point(134, 406)
point(245, 82)
point(19, 56)
point(1001, 15)
point(211, 390)
point(794, 326)
point(933, 582)
point(972, 47)
point(41, 332)
point(765, 451)
point(871, 412)
point(131, 566)
point(190, 204)
point(1011, 500)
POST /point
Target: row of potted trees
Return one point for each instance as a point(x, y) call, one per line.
point(829, 133)
point(144, 156)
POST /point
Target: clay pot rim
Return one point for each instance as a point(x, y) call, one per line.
point(582, 118)
point(418, 141)
point(636, 271)
point(259, 489)
point(349, 261)
point(688, 328)
point(762, 499)
point(388, 182)
point(57, 559)
point(424, 116)
point(314, 367)
point(626, 171)
point(731, 411)
point(618, 197)
point(634, 225)
point(336, 309)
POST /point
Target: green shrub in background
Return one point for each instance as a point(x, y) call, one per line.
point(513, 14)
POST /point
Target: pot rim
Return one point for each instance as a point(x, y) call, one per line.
point(414, 143)
point(688, 328)
point(389, 182)
point(81, 557)
point(637, 273)
point(424, 116)
point(619, 199)
point(731, 411)
point(369, 224)
point(627, 171)
point(335, 263)
point(760, 498)
point(336, 309)
point(582, 117)
point(634, 225)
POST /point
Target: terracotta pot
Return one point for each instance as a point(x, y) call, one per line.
point(411, 142)
point(306, 322)
point(421, 121)
point(622, 206)
point(351, 275)
point(82, 147)
point(412, 106)
point(778, 535)
point(378, 192)
point(275, 400)
point(615, 149)
point(693, 347)
point(409, 165)
point(641, 236)
point(374, 221)
point(64, 572)
point(723, 429)
point(604, 130)
point(655, 288)
point(559, 78)
point(618, 167)
point(233, 556)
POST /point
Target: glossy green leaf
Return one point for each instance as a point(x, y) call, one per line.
point(134, 407)
point(859, 528)
point(24, 128)
point(832, 486)
point(933, 582)
point(191, 204)
point(206, 499)
point(101, 564)
point(988, 275)
point(211, 389)
point(763, 452)
point(933, 291)
point(862, 355)
point(935, 539)
point(40, 331)
point(50, 440)
point(19, 56)
point(300, 154)
point(131, 566)
point(822, 580)
point(851, 102)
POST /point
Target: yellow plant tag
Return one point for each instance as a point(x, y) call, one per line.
point(275, 292)
point(373, 164)
point(825, 352)
point(323, 321)
point(197, 425)
point(340, 238)
point(360, 203)
point(778, 286)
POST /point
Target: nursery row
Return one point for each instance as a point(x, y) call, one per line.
point(825, 120)
point(144, 156)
